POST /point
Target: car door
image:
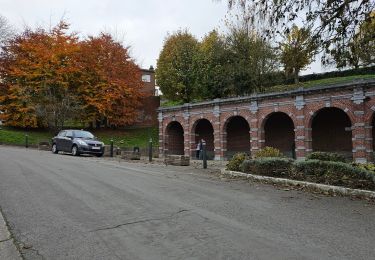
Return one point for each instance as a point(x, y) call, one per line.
point(59, 140)
point(68, 141)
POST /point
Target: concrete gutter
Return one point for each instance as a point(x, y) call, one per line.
point(8, 249)
point(323, 188)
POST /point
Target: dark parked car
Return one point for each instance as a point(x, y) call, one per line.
point(77, 142)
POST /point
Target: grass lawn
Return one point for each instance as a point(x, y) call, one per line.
point(123, 138)
point(129, 137)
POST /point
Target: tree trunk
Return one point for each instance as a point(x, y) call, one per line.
point(295, 74)
point(97, 123)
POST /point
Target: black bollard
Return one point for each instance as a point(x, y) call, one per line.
point(27, 141)
point(111, 151)
point(204, 156)
point(150, 150)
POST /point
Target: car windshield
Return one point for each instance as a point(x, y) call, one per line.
point(83, 134)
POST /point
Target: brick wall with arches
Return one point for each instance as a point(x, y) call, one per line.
point(336, 118)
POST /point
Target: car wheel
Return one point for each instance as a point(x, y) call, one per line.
point(54, 149)
point(75, 150)
point(99, 155)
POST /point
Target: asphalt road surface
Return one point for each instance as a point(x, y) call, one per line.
point(65, 207)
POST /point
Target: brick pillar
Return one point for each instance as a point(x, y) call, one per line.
point(162, 134)
point(187, 131)
point(359, 141)
point(302, 132)
point(218, 135)
point(193, 145)
point(254, 128)
point(217, 139)
point(223, 141)
point(369, 142)
point(187, 141)
point(254, 135)
point(301, 140)
point(359, 131)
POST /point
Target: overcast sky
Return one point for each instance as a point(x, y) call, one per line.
point(141, 24)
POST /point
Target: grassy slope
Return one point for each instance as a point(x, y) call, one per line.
point(320, 82)
point(307, 84)
point(130, 137)
point(123, 138)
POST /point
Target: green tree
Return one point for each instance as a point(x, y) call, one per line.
point(252, 59)
point(334, 23)
point(175, 73)
point(212, 66)
point(366, 36)
point(361, 50)
point(297, 51)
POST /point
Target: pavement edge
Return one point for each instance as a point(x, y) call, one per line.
point(8, 248)
point(323, 188)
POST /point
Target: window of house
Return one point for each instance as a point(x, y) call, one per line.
point(146, 78)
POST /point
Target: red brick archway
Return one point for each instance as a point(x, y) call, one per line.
point(337, 118)
point(203, 129)
point(278, 130)
point(237, 132)
point(331, 131)
point(175, 138)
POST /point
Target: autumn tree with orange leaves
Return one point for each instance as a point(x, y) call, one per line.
point(39, 74)
point(110, 86)
point(50, 77)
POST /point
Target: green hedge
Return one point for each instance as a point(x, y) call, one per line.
point(326, 156)
point(333, 173)
point(268, 166)
point(365, 166)
point(318, 171)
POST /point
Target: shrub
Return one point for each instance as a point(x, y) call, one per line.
point(326, 156)
point(236, 161)
point(268, 152)
point(333, 173)
point(367, 166)
point(270, 166)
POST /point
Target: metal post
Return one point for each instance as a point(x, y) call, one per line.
point(150, 150)
point(111, 148)
point(26, 140)
point(204, 156)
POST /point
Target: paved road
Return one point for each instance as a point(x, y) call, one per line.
point(63, 207)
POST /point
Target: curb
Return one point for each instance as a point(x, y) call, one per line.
point(8, 249)
point(327, 189)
